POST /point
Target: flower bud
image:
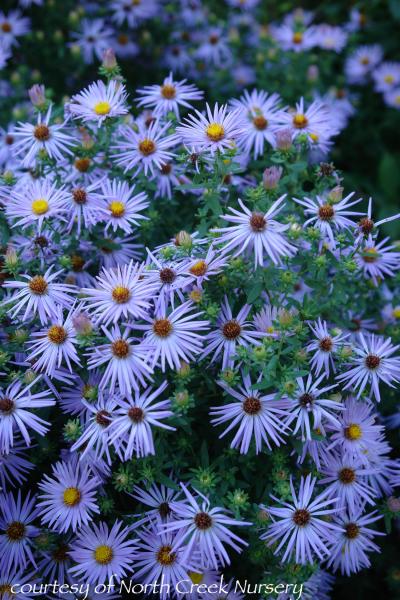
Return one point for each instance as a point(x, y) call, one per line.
point(312, 73)
point(37, 95)
point(183, 239)
point(336, 194)
point(109, 60)
point(284, 139)
point(393, 504)
point(271, 177)
point(11, 259)
point(82, 324)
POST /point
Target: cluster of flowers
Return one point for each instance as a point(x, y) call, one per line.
point(281, 298)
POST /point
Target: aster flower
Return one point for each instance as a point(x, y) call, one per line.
point(157, 561)
point(120, 293)
point(121, 208)
point(14, 467)
point(299, 525)
point(68, 498)
point(55, 562)
point(126, 361)
point(232, 331)
point(213, 48)
point(102, 554)
point(35, 203)
point(254, 415)
point(93, 39)
point(392, 98)
point(99, 102)
point(373, 363)
point(330, 37)
point(119, 251)
point(367, 227)
point(42, 137)
point(16, 403)
point(324, 347)
point(13, 25)
point(362, 62)
point(17, 531)
point(83, 207)
point(377, 260)
point(16, 578)
point(350, 546)
point(311, 400)
point(315, 121)
point(203, 268)
point(263, 115)
point(169, 96)
point(205, 530)
point(170, 277)
point(346, 479)
point(39, 295)
point(146, 149)
point(174, 336)
point(329, 217)
point(386, 77)
point(160, 499)
point(133, 421)
point(133, 12)
point(217, 130)
point(55, 344)
point(257, 232)
point(292, 37)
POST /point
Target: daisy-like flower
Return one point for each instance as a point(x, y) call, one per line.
point(157, 562)
point(43, 138)
point(367, 226)
point(357, 433)
point(328, 217)
point(293, 37)
point(119, 251)
point(350, 546)
point(68, 498)
point(39, 295)
point(256, 232)
point(231, 332)
point(120, 293)
point(324, 347)
point(133, 11)
point(12, 26)
point(169, 96)
point(121, 207)
point(263, 115)
point(205, 530)
point(146, 148)
point(330, 37)
point(300, 525)
point(13, 465)
point(362, 62)
point(244, 4)
point(170, 278)
point(55, 561)
point(386, 77)
point(311, 400)
point(35, 203)
point(392, 98)
point(202, 268)
point(93, 39)
point(134, 419)
point(254, 416)
point(219, 129)
point(214, 48)
point(83, 207)
point(54, 345)
point(17, 531)
point(126, 362)
point(14, 579)
point(160, 499)
point(373, 362)
point(315, 121)
point(174, 336)
point(16, 404)
point(99, 102)
point(377, 260)
point(102, 554)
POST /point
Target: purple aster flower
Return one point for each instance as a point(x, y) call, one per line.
point(169, 96)
point(74, 398)
point(324, 347)
point(121, 208)
point(315, 121)
point(12, 25)
point(170, 276)
point(55, 562)
point(373, 363)
point(328, 217)
point(17, 531)
point(346, 479)
point(133, 12)
point(214, 49)
point(174, 336)
point(299, 525)
point(254, 416)
point(351, 544)
point(16, 404)
point(93, 39)
point(99, 101)
point(126, 361)
point(160, 499)
point(362, 62)
point(256, 232)
point(133, 421)
point(291, 37)
point(202, 268)
point(311, 400)
point(377, 261)
point(14, 466)
point(102, 554)
point(83, 207)
point(14, 579)
point(68, 498)
point(205, 530)
point(231, 332)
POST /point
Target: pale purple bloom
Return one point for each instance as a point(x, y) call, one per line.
point(324, 347)
point(93, 39)
point(314, 121)
point(362, 62)
point(99, 102)
point(122, 208)
point(83, 207)
point(17, 530)
point(160, 499)
point(169, 96)
point(14, 467)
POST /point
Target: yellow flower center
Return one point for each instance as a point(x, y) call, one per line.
point(297, 37)
point(215, 132)
point(103, 555)
point(40, 206)
point(38, 285)
point(314, 137)
point(388, 79)
point(102, 108)
point(196, 577)
point(396, 312)
point(165, 556)
point(168, 91)
point(121, 294)
point(117, 208)
point(300, 121)
point(199, 268)
point(353, 432)
point(57, 334)
point(370, 255)
point(147, 147)
point(72, 496)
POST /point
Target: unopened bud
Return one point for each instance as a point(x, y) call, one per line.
point(183, 239)
point(393, 504)
point(336, 194)
point(109, 60)
point(37, 95)
point(284, 139)
point(312, 73)
point(82, 324)
point(11, 258)
point(271, 177)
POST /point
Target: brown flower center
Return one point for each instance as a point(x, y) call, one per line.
point(38, 285)
point(199, 268)
point(166, 169)
point(103, 418)
point(41, 133)
point(6, 27)
point(203, 521)
point(15, 531)
point(306, 400)
point(347, 475)
point(57, 334)
point(136, 414)
point(147, 147)
point(41, 241)
point(252, 405)
point(79, 195)
point(164, 510)
point(301, 517)
point(121, 294)
point(120, 348)
point(231, 330)
point(372, 361)
point(326, 212)
point(6, 406)
point(167, 275)
point(351, 531)
point(162, 327)
point(60, 554)
point(82, 164)
point(326, 344)
point(366, 225)
point(165, 556)
point(258, 222)
point(77, 263)
point(260, 123)
point(168, 91)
